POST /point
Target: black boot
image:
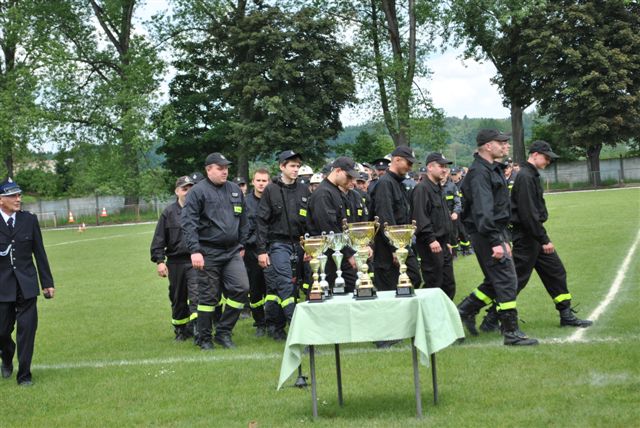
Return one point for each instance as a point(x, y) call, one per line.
point(513, 336)
point(468, 309)
point(490, 322)
point(205, 324)
point(567, 318)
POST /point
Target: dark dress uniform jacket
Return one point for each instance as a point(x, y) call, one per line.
point(167, 240)
point(486, 201)
point(390, 203)
point(528, 209)
point(328, 207)
point(429, 210)
point(26, 244)
point(252, 202)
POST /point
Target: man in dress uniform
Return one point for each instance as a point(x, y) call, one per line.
point(20, 243)
point(486, 214)
point(214, 225)
point(173, 259)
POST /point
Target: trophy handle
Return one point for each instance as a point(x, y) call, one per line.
point(345, 228)
point(302, 242)
point(376, 225)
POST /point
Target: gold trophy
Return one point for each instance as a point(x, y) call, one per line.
point(337, 241)
point(400, 237)
point(360, 236)
point(314, 246)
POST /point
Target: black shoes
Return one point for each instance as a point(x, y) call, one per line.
point(260, 331)
point(6, 370)
point(518, 338)
point(490, 322)
point(279, 336)
point(224, 341)
point(206, 345)
point(568, 319)
point(26, 382)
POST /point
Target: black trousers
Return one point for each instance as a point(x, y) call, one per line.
point(387, 279)
point(183, 293)
point(349, 274)
point(24, 313)
point(226, 273)
point(500, 281)
point(257, 286)
point(462, 237)
point(528, 255)
point(437, 268)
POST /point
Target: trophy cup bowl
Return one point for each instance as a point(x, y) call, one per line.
point(337, 241)
point(400, 237)
point(360, 235)
point(314, 246)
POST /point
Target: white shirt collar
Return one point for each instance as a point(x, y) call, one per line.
point(6, 217)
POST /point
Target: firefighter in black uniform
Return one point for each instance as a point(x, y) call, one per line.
point(461, 236)
point(20, 243)
point(390, 202)
point(214, 225)
point(281, 221)
point(454, 204)
point(434, 228)
point(486, 216)
point(173, 259)
point(357, 210)
point(380, 166)
point(327, 208)
point(257, 282)
point(532, 248)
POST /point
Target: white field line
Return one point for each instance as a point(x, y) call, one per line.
point(325, 350)
point(105, 226)
point(613, 290)
point(562, 192)
point(80, 241)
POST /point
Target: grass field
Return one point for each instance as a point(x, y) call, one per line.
point(105, 354)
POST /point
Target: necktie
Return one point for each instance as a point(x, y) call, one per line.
point(10, 223)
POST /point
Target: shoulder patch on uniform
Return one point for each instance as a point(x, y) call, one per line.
point(235, 194)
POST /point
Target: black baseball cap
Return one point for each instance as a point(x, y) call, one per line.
point(486, 135)
point(239, 180)
point(185, 180)
point(288, 154)
point(455, 170)
point(346, 164)
point(363, 177)
point(437, 157)
point(405, 152)
point(217, 158)
point(380, 164)
point(9, 188)
point(543, 147)
point(196, 177)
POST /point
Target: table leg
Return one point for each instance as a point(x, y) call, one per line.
point(434, 377)
point(339, 374)
point(416, 380)
point(314, 396)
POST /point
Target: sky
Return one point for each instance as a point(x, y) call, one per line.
point(458, 87)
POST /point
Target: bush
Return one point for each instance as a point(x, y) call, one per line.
point(38, 182)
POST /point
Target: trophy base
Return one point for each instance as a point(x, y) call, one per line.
point(405, 292)
point(366, 293)
point(340, 291)
point(316, 297)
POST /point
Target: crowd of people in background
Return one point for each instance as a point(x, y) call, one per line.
point(229, 248)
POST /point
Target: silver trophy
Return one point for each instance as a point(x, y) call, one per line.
point(337, 241)
point(324, 284)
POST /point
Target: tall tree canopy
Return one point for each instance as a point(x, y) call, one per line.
point(584, 57)
point(251, 81)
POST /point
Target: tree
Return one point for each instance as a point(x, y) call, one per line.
point(490, 30)
point(102, 86)
point(366, 147)
point(584, 57)
point(252, 81)
point(23, 42)
point(391, 41)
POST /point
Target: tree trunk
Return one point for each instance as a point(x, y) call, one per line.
point(517, 129)
point(8, 163)
point(243, 164)
point(593, 157)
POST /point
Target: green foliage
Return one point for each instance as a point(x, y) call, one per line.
point(366, 148)
point(38, 182)
point(254, 82)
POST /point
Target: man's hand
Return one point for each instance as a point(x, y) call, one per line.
point(263, 260)
point(501, 251)
point(454, 216)
point(548, 248)
point(395, 260)
point(162, 270)
point(306, 258)
point(352, 261)
point(435, 247)
point(48, 292)
point(242, 253)
point(197, 261)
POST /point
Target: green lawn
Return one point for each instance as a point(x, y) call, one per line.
point(105, 354)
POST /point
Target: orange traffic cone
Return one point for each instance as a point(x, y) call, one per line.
point(71, 219)
point(104, 212)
